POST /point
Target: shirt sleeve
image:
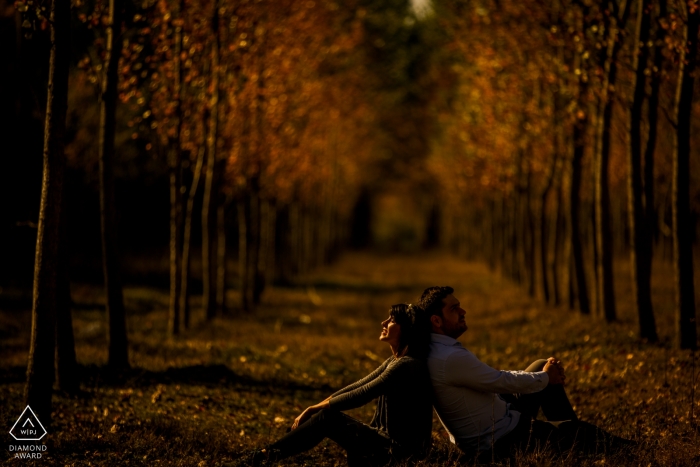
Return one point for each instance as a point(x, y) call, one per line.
point(364, 380)
point(464, 369)
point(390, 377)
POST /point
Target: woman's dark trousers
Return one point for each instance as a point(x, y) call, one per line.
point(364, 444)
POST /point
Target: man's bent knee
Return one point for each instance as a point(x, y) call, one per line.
point(537, 365)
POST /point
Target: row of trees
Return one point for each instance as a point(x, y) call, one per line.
point(571, 127)
point(273, 110)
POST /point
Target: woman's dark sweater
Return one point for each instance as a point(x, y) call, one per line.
point(404, 408)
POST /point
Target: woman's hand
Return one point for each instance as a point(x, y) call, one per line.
point(303, 417)
point(306, 414)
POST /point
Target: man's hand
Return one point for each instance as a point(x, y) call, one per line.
point(555, 371)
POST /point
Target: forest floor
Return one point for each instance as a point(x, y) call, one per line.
point(237, 383)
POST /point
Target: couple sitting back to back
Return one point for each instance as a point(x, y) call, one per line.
point(487, 412)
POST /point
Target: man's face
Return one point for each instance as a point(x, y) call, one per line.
point(452, 322)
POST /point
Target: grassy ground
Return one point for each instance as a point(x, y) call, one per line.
point(234, 384)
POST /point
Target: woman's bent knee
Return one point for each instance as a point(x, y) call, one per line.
point(328, 414)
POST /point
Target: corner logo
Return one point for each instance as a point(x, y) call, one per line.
point(28, 427)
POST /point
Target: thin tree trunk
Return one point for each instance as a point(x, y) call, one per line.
point(640, 240)
point(489, 233)
point(208, 238)
point(118, 348)
point(243, 236)
point(40, 367)
point(652, 133)
point(294, 237)
point(529, 248)
point(67, 377)
point(209, 260)
point(544, 244)
point(575, 207)
point(255, 283)
point(221, 256)
point(175, 168)
point(603, 235)
point(174, 315)
point(562, 247)
point(187, 242)
point(682, 226)
point(270, 250)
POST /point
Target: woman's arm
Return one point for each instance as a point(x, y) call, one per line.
point(364, 380)
point(309, 411)
point(395, 375)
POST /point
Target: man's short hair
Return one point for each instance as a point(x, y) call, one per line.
point(431, 300)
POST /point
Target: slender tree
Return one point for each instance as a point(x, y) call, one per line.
point(67, 377)
point(639, 225)
point(579, 142)
point(175, 170)
point(616, 18)
point(653, 119)
point(187, 242)
point(118, 348)
point(40, 368)
point(210, 260)
point(682, 237)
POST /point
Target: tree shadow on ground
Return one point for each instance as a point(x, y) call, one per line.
point(92, 376)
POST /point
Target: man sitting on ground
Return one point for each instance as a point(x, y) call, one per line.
point(483, 408)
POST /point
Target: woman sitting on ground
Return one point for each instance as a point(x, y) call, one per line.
point(402, 424)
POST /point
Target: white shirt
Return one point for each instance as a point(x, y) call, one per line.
point(467, 392)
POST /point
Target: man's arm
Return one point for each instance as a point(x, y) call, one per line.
point(464, 369)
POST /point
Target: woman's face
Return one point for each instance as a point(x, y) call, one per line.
point(391, 332)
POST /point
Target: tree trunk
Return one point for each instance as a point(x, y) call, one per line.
point(270, 220)
point(175, 168)
point(603, 235)
point(561, 244)
point(118, 348)
point(187, 242)
point(682, 226)
point(40, 367)
point(640, 240)
point(256, 285)
point(209, 259)
point(530, 246)
point(544, 244)
point(67, 377)
point(575, 207)
point(243, 236)
point(652, 132)
point(209, 238)
point(221, 256)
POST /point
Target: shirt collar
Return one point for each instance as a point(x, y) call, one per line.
point(443, 339)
